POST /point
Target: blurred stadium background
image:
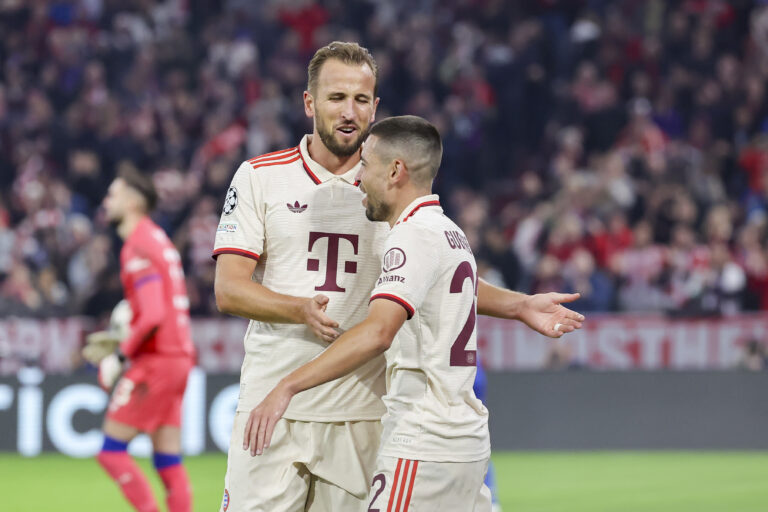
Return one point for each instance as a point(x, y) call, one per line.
point(615, 148)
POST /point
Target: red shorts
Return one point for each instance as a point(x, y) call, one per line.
point(150, 393)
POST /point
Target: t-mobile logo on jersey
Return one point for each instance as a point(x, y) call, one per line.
point(332, 264)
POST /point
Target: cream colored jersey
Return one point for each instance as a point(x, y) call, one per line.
point(308, 230)
point(432, 412)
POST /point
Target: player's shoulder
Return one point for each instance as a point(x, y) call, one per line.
point(273, 160)
point(427, 223)
point(262, 170)
point(416, 231)
point(432, 234)
point(148, 239)
point(137, 255)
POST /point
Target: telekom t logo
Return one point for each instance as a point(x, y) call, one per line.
point(332, 265)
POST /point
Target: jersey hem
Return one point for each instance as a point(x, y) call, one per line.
point(415, 454)
point(372, 416)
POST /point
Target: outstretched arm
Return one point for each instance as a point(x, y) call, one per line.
point(358, 345)
point(543, 312)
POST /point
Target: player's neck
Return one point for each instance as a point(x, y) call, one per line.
point(405, 197)
point(323, 156)
point(128, 224)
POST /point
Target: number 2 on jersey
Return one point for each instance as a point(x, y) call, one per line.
point(459, 355)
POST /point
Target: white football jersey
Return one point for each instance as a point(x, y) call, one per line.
point(308, 230)
point(432, 412)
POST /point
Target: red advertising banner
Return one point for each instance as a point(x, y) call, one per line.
point(623, 342)
point(607, 342)
point(54, 344)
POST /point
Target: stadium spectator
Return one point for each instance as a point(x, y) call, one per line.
point(754, 357)
point(604, 116)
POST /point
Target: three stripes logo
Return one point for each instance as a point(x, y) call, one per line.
point(402, 487)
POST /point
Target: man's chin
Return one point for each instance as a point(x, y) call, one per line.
point(379, 214)
point(372, 214)
point(345, 150)
point(340, 147)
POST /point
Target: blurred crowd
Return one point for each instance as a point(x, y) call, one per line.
point(615, 148)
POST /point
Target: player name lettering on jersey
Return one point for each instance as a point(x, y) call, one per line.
point(458, 241)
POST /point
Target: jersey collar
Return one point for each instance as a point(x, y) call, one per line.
point(320, 174)
point(416, 205)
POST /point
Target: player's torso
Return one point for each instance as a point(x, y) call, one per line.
point(432, 412)
point(317, 240)
point(149, 244)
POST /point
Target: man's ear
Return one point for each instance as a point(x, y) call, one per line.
point(309, 104)
point(375, 106)
point(398, 171)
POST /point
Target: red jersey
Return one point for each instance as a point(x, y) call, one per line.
point(153, 283)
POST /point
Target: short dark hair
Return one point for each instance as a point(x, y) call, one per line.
point(348, 53)
point(140, 182)
point(406, 132)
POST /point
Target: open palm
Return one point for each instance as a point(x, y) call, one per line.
point(544, 313)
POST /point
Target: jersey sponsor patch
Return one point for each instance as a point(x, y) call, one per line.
point(230, 203)
point(393, 259)
point(227, 227)
point(391, 279)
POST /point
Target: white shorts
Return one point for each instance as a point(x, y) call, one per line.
point(309, 466)
point(402, 485)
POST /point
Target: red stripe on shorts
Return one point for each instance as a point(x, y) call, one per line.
point(410, 486)
point(401, 493)
point(394, 486)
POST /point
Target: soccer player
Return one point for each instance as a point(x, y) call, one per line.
point(158, 351)
point(296, 255)
point(435, 446)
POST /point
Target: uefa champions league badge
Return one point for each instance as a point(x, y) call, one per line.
point(225, 501)
point(231, 201)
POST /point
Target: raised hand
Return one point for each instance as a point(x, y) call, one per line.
point(544, 313)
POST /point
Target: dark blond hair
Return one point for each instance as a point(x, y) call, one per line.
point(348, 53)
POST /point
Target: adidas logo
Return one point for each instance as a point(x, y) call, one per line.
point(296, 207)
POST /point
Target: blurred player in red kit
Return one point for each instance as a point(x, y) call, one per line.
point(157, 351)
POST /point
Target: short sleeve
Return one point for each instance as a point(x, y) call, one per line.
point(241, 227)
point(409, 267)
